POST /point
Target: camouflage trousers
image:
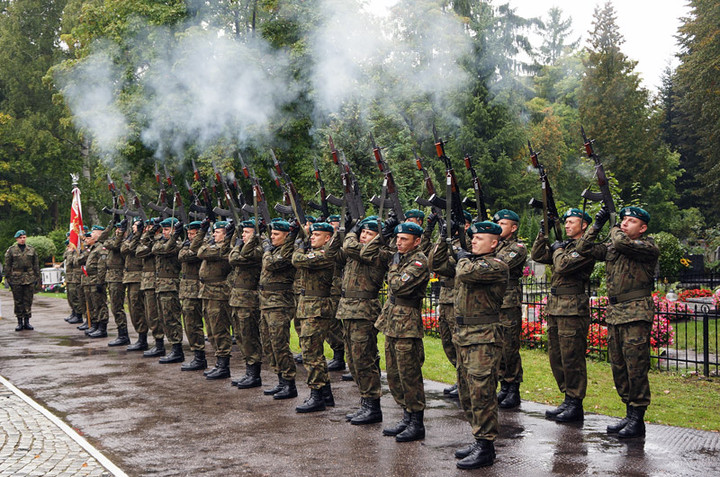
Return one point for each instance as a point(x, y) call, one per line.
point(362, 356)
point(169, 308)
point(510, 364)
point(629, 351)
point(98, 304)
point(404, 358)
point(136, 305)
point(217, 318)
point(193, 321)
point(152, 315)
point(275, 337)
point(335, 335)
point(116, 290)
point(567, 344)
point(312, 342)
point(23, 299)
point(246, 322)
point(446, 323)
point(82, 300)
point(477, 383)
point(73, 298)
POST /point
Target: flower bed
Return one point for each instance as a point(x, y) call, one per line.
point(694, 293)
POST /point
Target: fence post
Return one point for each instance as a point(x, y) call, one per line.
point(706, 341)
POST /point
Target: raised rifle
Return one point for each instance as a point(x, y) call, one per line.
point(452, 203)
point(352, 197)
point(160, 206)
point(259, 207)
point(547, 204)
point(237, 193)
point(231, 210)
point(177, 199)
point(477, 187)
point(323, 206)
point(604, 196)
point(389, 197)
point(135, 199)
point(118, 207)
point(429, 187)
point(292, 194)
point(205, 194)
point(196, 212)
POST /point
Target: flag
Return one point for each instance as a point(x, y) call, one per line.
point(76, 221)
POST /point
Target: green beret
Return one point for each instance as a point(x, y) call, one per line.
point(277, 219)
point(414, 214)
point(152, 221)
point(20, 233)
point(67, 234)
point(220, 224)
point(409, 228)
point(248, 224)
point(636, 212)
point(311, 218)
point(85, 228)
point(370, 223)
point(137, 219)
point(468, 217)
point(194, 225)
point(577, 213)
point(333, 218)
point(169, 222)
point(117, 225)
point(369, 217)
point(505, 214)
point(281, 225)
point(322, 227)
point(486, 227)
point(67, 242)
point(98, 227)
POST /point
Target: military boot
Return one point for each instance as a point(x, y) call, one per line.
point(463, 452)
point(448, 390)
point(276, 389)
point(157, 350)
point(347, 377)
point(351, 415)
point(84, 325)
point(618, 426)
point(636, 424)
point(122, 338)
point(415, 429)
point(338, 361)
point(176, 355)
point(512, 398)
point(100, 332)
point(76, 319)
point(370, 412)
point(298, 358)
point(198, 362)
point(328, 395)
point(482, 455)
point(140, 345)
point(289, 390)
point(222, 371)
point(71, 316)
point(454, 394)
point(92, 329)
point(554, 412)
point(399, 427)
point(504, 389)
point(213, 369)
point(573, 412)
point(27, 325)
point(314, 403)
point(21, 325)
point(252, 377)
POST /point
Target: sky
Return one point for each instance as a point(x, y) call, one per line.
point(648, 26)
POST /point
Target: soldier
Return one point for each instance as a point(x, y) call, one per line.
point(132, 279)
point(147, 285)
point(88, 326)
point(359, 308)
point(94, 259)
point(277, 302)
point(309, 220)
point(316, 267)
point(417, 216)
point(116, 287)
point(568, 313)
point(630, 258)
point(215, 292)
point(190, 297)
point(513, 252)
point(72, 283)
point(246, 260)
point(480, 283)
point(401, 322)
point(335, 333)
point(22, 270)
point(167, 283)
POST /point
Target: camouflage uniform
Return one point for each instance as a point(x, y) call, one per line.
point(444, 266)
point(335, 331)
point(167, 283)
point(72, 282)
point(568, 313)
point(114, 279)
point(514, 253)
point(480, 284)
point(94, 260)
point(630, 270)
point(246, 260)
point(22, 272)
point(132, 277)
point(147, 283)
point(190, 296)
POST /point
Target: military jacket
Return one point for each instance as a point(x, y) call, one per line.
point(72, 271)
point(133, 263)
point(514, 253)
point(277, 277)
point(167, 265)
point(22, 266)
point(362, 280)
point(94, 264)
point(316, 267)
point(443, 264)
point(246, 260)
point(144, 251)
point(480, 285)
point(570, 277)
point(214, 268)
point(115, 260)
point(340, 262)
point(189, 272)
point(629, 271)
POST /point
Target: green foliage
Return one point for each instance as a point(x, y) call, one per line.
point(58, 238)
point(44, 247)
point(598, 276)
point(670, 254)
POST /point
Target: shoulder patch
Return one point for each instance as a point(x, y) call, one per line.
point(405, 277)
point(520, 244)
point(498, 260)
point(512, 254)
point(574, 255)
point(311, 255)
point(418, 263)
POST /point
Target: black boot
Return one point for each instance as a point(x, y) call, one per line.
point(70, 316)
point(276, 389)
point(351, 415)
point(370, 413)
point(100, 332)
point(76, 319)
point(573, 412)
point(347, 377)
point(504, 389)
point(176, 355)
point(157, 350)
point(92, 329)
point(482, 455)
point(213, 369)
point(27, 325)
point(554, 412)
point(198, 362)
point(20, 326)
point(454, 394)
point(140, 345)
point(399, 427)
point(288, 390)
point(415, 430)
point(448, 390)
point(463, 452)
point(222, 371)
point(122, 338)
point(298, 358)
point(84, 325)
point(252, 377)
point(636, 424)
point(328, 395)
point(314, 403)
point(338, 361)
point(618, 426)
point(512, 398)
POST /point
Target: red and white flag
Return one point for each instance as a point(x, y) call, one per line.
point(76, 221)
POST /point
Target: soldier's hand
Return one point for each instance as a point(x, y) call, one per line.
point(123, 224)
point(462, 253)
point(178, 228)
point(262, 226)
point(267, 245)
point(551, 224)
point(300, 244)
point(100, 288)
point(205, 225)
point(432, 220)
point(156, 228)
point(229, 228)
point(355, 228)
point(557, 245)
point(600, 218)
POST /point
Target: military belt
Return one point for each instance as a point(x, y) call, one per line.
point(167, 275)
point(133, 269)
point(276, 287)
point(315, 293)
point(212, 280)
point(629, 296)
point(412, 302)
point(367, 295)
point(185, 276)
point(481, 319)
point(444, 284)
point(570, 290)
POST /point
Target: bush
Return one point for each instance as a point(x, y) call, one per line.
point(671, 253)
point(58, 238)
point(44, 247)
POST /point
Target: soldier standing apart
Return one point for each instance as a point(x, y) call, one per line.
point(132, 279)
point(167, 284)
point(22, 270)
point(147, 285)
point(568, 312)
point(277, 302)
point(72, 283)
point(95, 260)
point(246, 260)
point(116, 287)
point(630, 259)
point(513, 252)
point(335, 333)
point(480, 284)
point(190, 297)
point(84, 286)
point(401, 322)
point(359, 308)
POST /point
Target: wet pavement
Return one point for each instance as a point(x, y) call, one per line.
point(152, 419)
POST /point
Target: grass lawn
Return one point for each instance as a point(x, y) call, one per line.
point(687, 332)
point(54, 295)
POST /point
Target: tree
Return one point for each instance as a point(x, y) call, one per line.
point(555, 34)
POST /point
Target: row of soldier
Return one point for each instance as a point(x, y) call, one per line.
point(252, 282)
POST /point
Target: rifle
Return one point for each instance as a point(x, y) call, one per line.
point(547, 204)
point(135, 199)
point(177, 199)
point(352, 197)
point(209, 209)
point(161, 205)
point(604, 196)
point(118, 207)
point(389, 197)
point(292, 194)
point(237, 193)
point(323, 206)
point(479, 196)
point(196, 211)
point(259, 202)
point(452, 203)
point(228, 198)
point(429, 186)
